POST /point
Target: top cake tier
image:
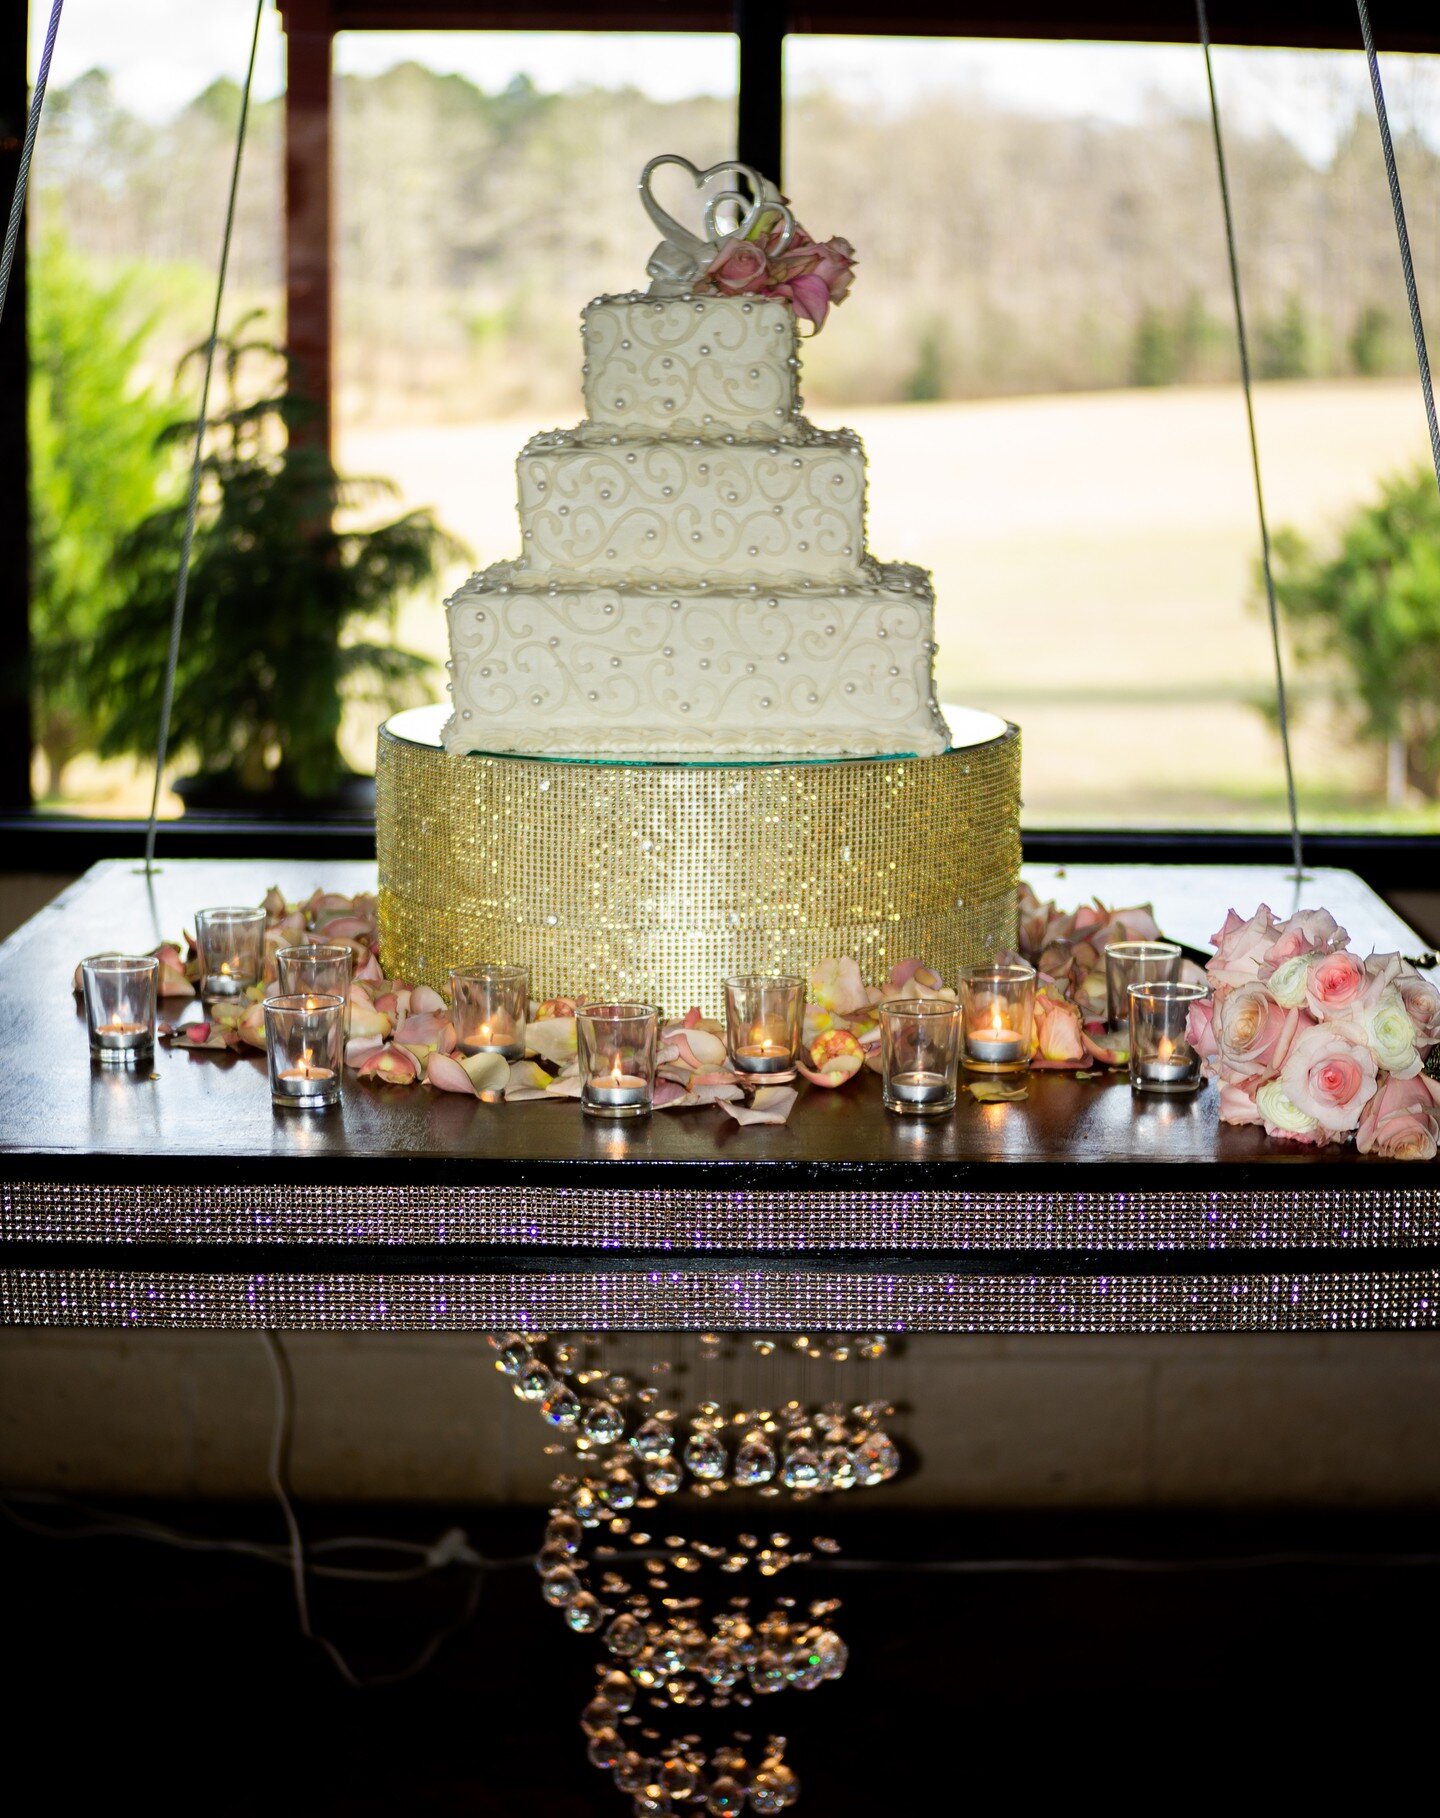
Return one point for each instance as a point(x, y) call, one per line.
point(686, 366)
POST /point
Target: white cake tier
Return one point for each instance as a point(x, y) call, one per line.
point(596, 508)
point(691, 366)
point(585, 670)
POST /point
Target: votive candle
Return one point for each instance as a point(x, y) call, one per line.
point(120, 993)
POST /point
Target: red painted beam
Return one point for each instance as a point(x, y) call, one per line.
point(309, 266)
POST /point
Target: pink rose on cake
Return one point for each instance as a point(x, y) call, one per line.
point(810, 275)
point(738, 268)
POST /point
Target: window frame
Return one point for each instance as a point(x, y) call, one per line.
point(44, 842)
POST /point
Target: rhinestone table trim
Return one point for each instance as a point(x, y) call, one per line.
point(707, 1220)
point(724, 1299)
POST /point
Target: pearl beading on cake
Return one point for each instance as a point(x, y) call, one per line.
point(679, 365)
point(598, 670)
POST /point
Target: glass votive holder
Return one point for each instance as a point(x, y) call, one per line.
point(1130, 963)
point(488, 1006)
point(305, 1046)
point(120, 1007)
point(998, 1007)
point(232, 950)
point(616, 1045)
point(920, 1049)
point(1161, 1056)
point(764, 1019)
point(319, 969)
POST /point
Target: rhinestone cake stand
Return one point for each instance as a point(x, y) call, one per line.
point(658, 880)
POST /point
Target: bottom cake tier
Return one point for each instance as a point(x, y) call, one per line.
point(659, 880)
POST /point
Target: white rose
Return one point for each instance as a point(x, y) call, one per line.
point(1277, 1109)
point(1286, 983)
point(1391, 1034)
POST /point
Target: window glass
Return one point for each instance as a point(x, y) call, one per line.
point(1040, 353)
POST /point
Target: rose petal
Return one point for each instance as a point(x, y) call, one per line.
point(552, 1038)
point(424, 1001)
point(771, 1105)
point(361, 1047)
point(488, 1072)
point(445, 1072)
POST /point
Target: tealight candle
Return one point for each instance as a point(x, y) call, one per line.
point(615, 1044)
point(764, 1019)
point(999, 1007)
point(1130, 963)
point(488, 1006)
point(1162, 1058)
point(120, 1007)
point(304, 1043)
point(320, 968)
point(920, 1055)
point(232, 947)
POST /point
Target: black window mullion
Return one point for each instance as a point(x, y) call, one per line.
point(760, 25)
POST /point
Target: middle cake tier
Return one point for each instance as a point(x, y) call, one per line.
point(596, 508)
point(590, 670)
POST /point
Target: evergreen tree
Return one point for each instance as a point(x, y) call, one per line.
point(1369, 616)
point(288, 603)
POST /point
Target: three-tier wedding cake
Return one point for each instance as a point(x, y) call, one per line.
point(693, 576)
point(695, 612)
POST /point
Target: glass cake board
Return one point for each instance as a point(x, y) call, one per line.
point(969, 728)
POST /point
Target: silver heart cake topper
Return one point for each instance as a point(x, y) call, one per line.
point(682, 255)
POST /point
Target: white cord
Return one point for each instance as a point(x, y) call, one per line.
point(452, 1548)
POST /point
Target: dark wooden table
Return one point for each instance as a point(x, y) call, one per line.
point(182, 1199)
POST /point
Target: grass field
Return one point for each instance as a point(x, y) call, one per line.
point(1093, 556)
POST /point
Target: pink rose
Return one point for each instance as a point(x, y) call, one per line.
point(1252, 1033)
point(1237, 1106)
point(1307, 931)
point(738, 266)
point(1339, 985)
point(1328, 1077)
point(1402, 1120)
point(1422, 1004)
point(1241, 947)
point(814, 274)
point(1200, 1029)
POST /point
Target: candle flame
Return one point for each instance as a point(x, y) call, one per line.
point(224, 968)
point(757, 1035)
point(306, 1058)
point(997, 1021)
point(615, 1072)
point(1166, 1048)
point(484, 1032)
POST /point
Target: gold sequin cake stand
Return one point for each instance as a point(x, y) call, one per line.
point(658, 880)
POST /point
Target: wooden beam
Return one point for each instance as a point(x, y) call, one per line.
point(1406, 25)
point(760, 27)
point(15, 725)
point(309, 275)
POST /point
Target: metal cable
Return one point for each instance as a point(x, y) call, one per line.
point(1407, 263)
point(1282, 706)
point(22, 174)
point(177, 620)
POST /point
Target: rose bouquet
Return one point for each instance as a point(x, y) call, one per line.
point(1316, 1044)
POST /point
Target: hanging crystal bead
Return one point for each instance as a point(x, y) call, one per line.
point(754, 1460)
point(705, 1456)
